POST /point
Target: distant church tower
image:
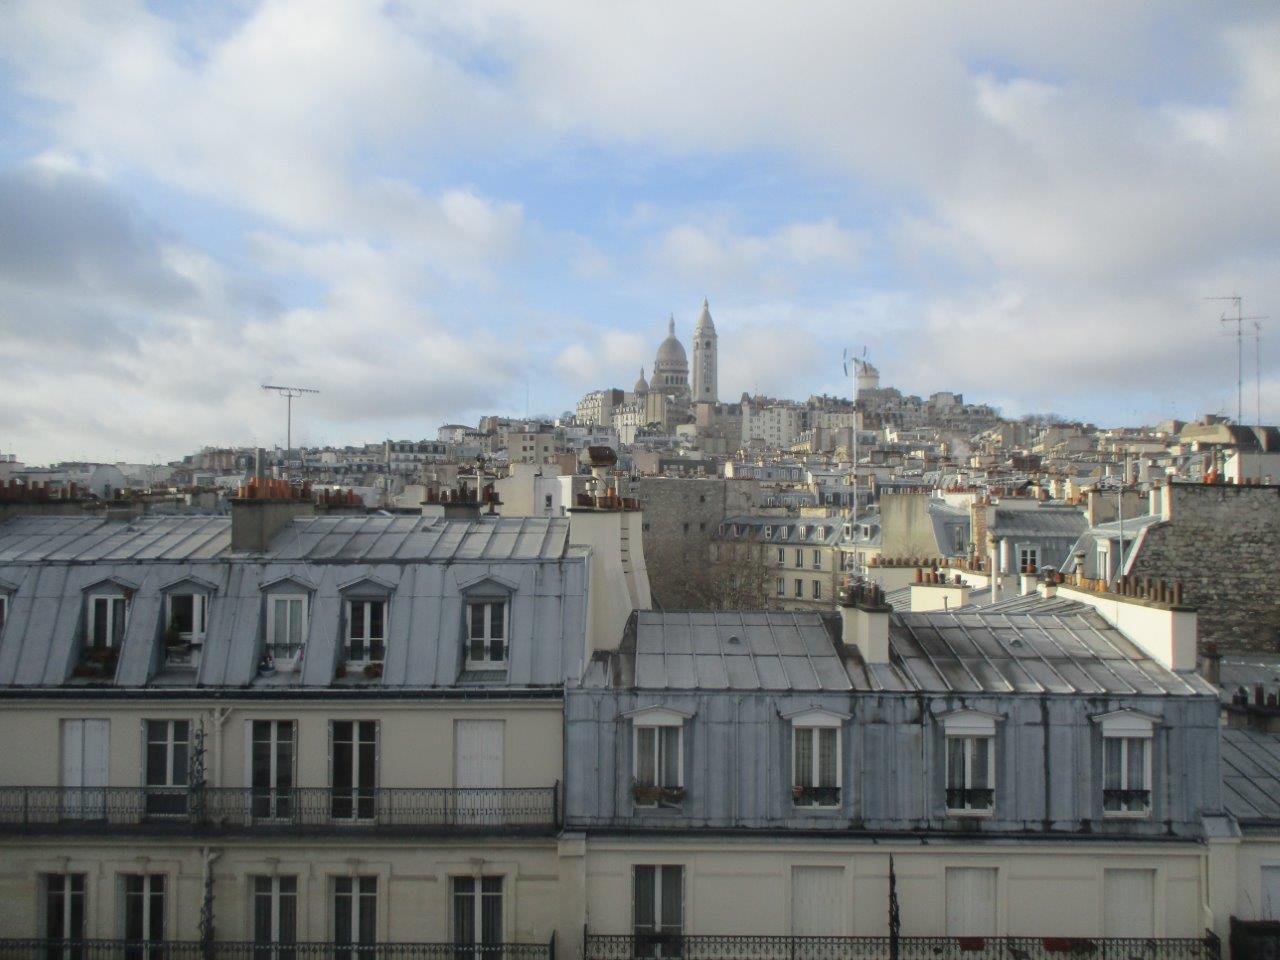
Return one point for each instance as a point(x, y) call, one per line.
point(706, 387)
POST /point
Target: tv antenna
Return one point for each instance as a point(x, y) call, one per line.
point(1257, 367)
point(1239, 320)
point(289, 393)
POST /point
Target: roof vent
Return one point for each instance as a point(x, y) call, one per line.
point(734, 638)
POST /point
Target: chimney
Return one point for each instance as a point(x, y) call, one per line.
point(864, 621)
point(618, 580)
point(1027, 581)
point(457, 504)
point(939, 593)
point(1211, 663)
point(263, 509)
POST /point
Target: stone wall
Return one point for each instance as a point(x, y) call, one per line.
point(1223, 543)
point(680, 518)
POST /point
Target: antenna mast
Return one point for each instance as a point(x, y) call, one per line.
point(1239, 320)
point(288, 393)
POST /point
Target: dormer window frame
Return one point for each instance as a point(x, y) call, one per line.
point(1124, 795)
point(285, 654)
point(969, 762)
point(810, 728)
point(486, 592)
point(199, 613)
point(361, 608)
point(101, 605)
point(656, 734)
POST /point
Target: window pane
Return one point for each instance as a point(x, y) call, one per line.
point(100, 619)
point(377, 616)
point(827, 738)
point(1137, 765)
point(464, 928)
point(670, 756)
point(477, 620)
point(280, 615)
point(646, 746)
point(491, 912)
point(117, 621)
point(182, 612)
point(644, 908)
point(496, 611)
point(804, 757)
point(1112, 779)
point(672, 899)
point(295, 622)
point(981, 763)
point(288, 924)
point(955, 763)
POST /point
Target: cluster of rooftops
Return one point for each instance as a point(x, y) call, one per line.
point(479, 603)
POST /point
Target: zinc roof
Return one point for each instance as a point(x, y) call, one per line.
point(83, 539)
point(1251, 774)
point(736, 650)
point(1039, 522)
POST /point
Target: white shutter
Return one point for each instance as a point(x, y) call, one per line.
point(73, 753)
point(96, 749)
point(1129, 903)
point(478, 757)
point(817, 901)
point(971, 901)
point(1270, 893)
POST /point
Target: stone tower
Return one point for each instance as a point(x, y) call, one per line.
point(706, 387)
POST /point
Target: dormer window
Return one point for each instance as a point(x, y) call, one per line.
point(487, 634)
point(768, 532)
point(971, 762)
point(186, 616)
point(366, 630)
point(4, 610)
point(658, 757)
point(1127, 738)
point(107, 614)
point(286, 627)
point(815, 758)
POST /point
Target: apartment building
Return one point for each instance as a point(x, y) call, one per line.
point(287, 729)
point(749, 783)
point(796, 559)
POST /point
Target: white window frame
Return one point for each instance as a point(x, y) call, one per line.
point(355, 895)
point(367, 626)
point(1028, 555)
point(279, 804)
point(660, 927)
point(657, 719)
point(799, 558)
point(354, 790)
point(1120, 727)
point(199, 614)
point(768, 532)
point(486, 663)
point(810, 722)
point(64, 883)
point(817, 589)
point(111, 600)
point(816, 559)
point(275, 895)
point(476, 896)
point(969, 726)
point(782, 586)
point(799, 590)
point(303, 599)
point(122, 880)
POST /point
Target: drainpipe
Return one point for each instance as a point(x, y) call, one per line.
point(219, 717)
point(206, 906)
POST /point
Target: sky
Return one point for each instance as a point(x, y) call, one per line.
point(433, 211)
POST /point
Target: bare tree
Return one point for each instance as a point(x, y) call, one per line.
point(690, 574)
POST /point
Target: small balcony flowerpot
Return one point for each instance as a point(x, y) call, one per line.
point(340, 671)
point(373, 670)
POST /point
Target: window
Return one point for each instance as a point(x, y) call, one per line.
point(355, 913)
point(275, 916)
point(658, 910)
point(486, 635)
point(167, 760)
point(477, 914)
point(1126, 763)
point(107, 620)
point(685, 529)
point(817, 559)
point(62, 906)
point(768, 532)
point(271, 751)
point(799, 558)
point(1028, 559)
point(354, 774)
point(817, 589)
point(366, 630)
point(815, 765)
point(971, 762)
point(188, 616)
point(799, 589)
point(1126, 785)
point(286, 626)
point(142, 910)
point(4, 609)
point(782, 587)
point(659, 761)
point(782, 557)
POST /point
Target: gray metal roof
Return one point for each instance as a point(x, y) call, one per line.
point(391, 539)
point(1251, 774)
point(83, 539)
point(736, 650)
point(1045, 649)
point(1052, 522)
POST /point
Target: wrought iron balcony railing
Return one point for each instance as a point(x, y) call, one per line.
point(244, 950)
point(382, 809)
point(1127, 801)
point(702, 947)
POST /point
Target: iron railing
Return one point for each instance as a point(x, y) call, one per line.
point(703, 947)
point(303, 808)
point(970, 798)
point(245, 950)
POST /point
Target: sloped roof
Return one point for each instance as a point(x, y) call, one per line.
point(81, 539)
point(736, 650)
point(390, 539)
point(1064, 522)
point(1251, 774)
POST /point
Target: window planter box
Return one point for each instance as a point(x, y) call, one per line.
point(663, 796)
point(961, 800)
point(816, 796)
point(1126, 802)
point(373, 671)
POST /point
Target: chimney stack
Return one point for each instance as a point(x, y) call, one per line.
point(864, 621)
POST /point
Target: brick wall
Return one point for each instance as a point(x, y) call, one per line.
point(1223, 543)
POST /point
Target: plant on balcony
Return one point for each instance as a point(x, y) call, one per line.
point(172, 635)
point(340, 671)
point(654, 793)
point(373, 670)
point(816, 796)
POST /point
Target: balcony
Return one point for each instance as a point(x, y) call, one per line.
point(962, 799)
point(245, 950)
point(702, 947)
point(302, 810)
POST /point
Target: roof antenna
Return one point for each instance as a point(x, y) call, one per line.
point(288, 393)
point(1239, 320)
